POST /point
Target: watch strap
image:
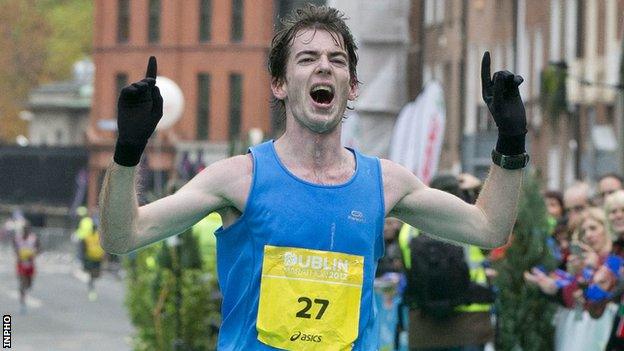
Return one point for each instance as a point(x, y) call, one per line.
point(510, 161)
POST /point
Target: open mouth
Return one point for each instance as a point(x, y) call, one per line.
point(322, 94)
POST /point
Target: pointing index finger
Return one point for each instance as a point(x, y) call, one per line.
point(485, 69)
point(152, 68)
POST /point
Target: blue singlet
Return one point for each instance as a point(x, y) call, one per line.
point(283, 210)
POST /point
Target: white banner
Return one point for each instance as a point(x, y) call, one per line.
point(419, 132)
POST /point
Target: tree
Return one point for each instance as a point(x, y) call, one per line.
point(553, 93)
point(39, 43)
point(525, 314)
point(172, 299)
point(23, 33)
point(70, 38)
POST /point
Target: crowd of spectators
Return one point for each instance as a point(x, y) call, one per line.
point(586, 237)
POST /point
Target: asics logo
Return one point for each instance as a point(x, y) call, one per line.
point(305, 337)
point(295, 336)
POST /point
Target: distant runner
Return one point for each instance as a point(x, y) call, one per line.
point(92, 256)
point(26, 245)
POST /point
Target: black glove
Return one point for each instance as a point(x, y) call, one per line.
point(502, 98)
point(139, 109)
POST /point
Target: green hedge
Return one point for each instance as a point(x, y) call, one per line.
point(173, 302)
point(524, 313)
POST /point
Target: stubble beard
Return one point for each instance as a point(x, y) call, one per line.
point(305, 117)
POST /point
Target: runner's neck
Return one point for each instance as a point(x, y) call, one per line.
point(322, 161)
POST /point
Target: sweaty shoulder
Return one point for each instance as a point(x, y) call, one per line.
point(229, 179)
point(398, 181)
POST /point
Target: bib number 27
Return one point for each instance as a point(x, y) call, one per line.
point(303, 313)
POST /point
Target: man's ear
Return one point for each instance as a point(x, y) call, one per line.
point(354, 91)
point(278, 87)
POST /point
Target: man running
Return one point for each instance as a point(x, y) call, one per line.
point(302, 215)
point(26, 246)
point(92, 255)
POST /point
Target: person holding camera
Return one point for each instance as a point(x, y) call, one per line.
point(586, 288)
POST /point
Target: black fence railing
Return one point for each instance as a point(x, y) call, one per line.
point(42, 175)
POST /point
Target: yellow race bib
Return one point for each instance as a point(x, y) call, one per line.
point(94, 250)
point(25, 254)
point(309, 299)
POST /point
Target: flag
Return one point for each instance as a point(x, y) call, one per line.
point(419, 132)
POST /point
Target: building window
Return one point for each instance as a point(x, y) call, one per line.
point(610, 114)
point(237, 20)
point(236, 97)
point(203, 106)
point(439, 11)
point(429, 12)
point(154, 21)
point(205, 19)
point(121, 80)
point(580, 28)
point(434, 12)
point(123, 21)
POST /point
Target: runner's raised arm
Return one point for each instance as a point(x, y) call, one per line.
point(125, 226)
point(489, 222)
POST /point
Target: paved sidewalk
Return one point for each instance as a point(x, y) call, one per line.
point(59, 315)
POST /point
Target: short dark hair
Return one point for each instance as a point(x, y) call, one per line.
point(556, 195)
point(310, 17)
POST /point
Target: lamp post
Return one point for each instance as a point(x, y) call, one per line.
point(554, 103)
point(619, 109)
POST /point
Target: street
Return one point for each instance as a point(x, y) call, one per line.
point(59, 315)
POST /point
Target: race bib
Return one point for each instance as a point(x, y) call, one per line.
point(309, 299)
point(25, 254)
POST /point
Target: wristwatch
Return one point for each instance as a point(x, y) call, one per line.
point(510, 162)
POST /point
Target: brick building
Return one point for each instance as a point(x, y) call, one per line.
point(214, 50)
point(525, 36)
